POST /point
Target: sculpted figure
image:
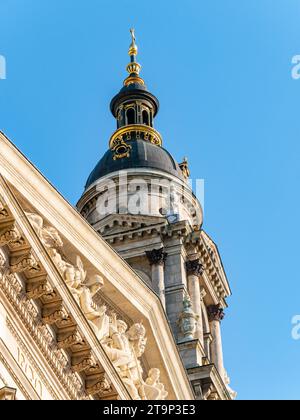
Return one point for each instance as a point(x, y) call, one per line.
point(98, 318)
point(124, 349)
point(154, 389)
point(173, 206)
point(75, 277)
point(49, 236)
point(232, 393)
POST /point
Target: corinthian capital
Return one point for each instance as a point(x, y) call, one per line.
point(194, 267)
point(215, 313)
point(157, 256)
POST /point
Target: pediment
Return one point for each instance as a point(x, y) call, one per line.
point(49, 253)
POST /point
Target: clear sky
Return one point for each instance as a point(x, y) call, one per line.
point(222, 72)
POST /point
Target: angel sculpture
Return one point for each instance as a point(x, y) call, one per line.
point(97, 317)
point(124, 348)
point(49, 236)
point(154, 389)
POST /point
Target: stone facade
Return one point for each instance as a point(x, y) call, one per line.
point(76, 322)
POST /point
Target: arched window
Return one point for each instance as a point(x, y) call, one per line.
point(130, 114)
point(145, 118)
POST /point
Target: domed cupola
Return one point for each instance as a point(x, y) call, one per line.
point(135, 143)
point(134, 105)
point(134, 109)
point(136, 171)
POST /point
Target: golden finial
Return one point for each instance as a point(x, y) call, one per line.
point(133, 49)
point(133, 67)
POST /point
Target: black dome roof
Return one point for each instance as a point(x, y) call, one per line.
point(142, 155)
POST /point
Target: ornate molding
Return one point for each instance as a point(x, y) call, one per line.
point(31, 359)
point(14, 376)
point(102, 387)
point(9, 234)
point(156, 256)
point(43, 339)
point(135, 131)
point(7, 394)
point(3, 212)
point(67, 341)
point(24, 262)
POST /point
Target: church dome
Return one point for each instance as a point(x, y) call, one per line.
point(143, 154)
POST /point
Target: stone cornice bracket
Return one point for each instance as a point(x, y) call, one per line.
point(99, 384)
point(4, 214)
point(194, 267)
point(24, 262)
point(9, 234)
point(215, 313)
point(82, 361)
point(7, 394)
point(68, 337)
point(156, 256)
point(53, 313)
point(37, 287)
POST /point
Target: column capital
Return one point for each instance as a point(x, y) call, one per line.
point(215, 313)
point(194, 267)
point(157, 256)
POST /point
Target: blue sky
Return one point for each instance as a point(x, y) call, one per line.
point(222, 72)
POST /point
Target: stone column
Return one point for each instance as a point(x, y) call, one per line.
point(194, 269)
point(157, 258)
point(216, 314)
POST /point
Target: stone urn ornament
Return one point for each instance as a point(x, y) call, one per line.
point(188, 320)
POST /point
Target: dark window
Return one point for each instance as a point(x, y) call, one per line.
point(145, 118)
point(130, 116)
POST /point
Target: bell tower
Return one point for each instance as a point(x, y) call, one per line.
point(134, 106)
point(155, 223)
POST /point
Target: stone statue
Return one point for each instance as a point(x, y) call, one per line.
point(124, 348)
point(75, 277)
point(188, 320)
point(132, 31)
point(97, 317)
point(154, 389)
point(232, 393)
point(49, 236)
point(173, 214)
